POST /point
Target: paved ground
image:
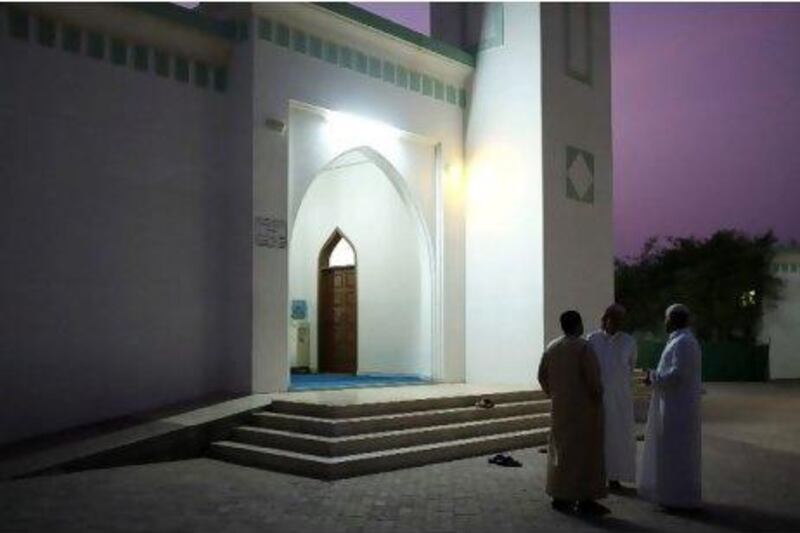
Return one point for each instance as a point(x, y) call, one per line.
point(751, 482)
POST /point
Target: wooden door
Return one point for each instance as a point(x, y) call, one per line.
point(337, 320)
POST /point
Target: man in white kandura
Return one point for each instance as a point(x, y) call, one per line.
point(670, 475)
point(616, 353)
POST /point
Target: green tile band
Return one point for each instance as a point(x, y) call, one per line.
point(427, 85)
point(162, 63)
point(283, 35)
point(96, 47)
point(71, 38)
point(141, 59)
point(264, 29)
point(353, 59)
point(182, 69)
point(331, 53)
point(299, 41)
point(119, 52)
point(375, 67)
point(315, 46)
point(346, 57)
point(201, 74)
point(47, 32)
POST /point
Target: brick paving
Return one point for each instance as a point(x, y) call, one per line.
point(748, 485)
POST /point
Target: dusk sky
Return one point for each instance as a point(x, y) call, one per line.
point(706, 117)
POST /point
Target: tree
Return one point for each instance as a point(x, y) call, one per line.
point(726, 280)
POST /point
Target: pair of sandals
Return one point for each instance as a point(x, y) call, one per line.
point(484, 403)
point(503, 459)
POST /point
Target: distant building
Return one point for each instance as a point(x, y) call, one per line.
point(781, 329)
point(183, 193)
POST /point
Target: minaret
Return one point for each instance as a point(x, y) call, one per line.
point(538, 151)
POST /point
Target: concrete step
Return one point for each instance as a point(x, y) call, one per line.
point(323, 467)
point(321, 410)
point(337, 427)
point(373, 442)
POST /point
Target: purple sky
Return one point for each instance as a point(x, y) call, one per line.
point(706, 117)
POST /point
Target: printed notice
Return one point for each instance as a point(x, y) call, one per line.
point(270, 232)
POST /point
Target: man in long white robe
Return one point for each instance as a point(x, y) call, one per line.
point(616, 353)
point(671, 465)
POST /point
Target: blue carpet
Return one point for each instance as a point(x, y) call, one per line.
point(301, 382)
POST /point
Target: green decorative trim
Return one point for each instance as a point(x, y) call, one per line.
point(182, 69)
point(264, 29)
point(18, 24)
point(201, 74)
point(47, 32)
point(572, 188)
point(585, 77)
point(438, 89)
point(379, 23)
point(346, 57)
point(96, 45)
point(401, 78)
point(299, 43)
point(221, 79)
point(162, 63)
point(452, 95)
point(361, 63)
point(119, 52)
point(315, 47)
point(374, 67)
point(141, 58)
point(414, 81)
point(332, 53)
point(388, 72)
point(242, 30)
point(116, 50)
point(71, 39)
point(427, 85)
point(283, 35)
point(786, 268)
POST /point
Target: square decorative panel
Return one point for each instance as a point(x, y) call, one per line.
point(580, 175)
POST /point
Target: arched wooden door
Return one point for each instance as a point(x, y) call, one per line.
point(337, 315)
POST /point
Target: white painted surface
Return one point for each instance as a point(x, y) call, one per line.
point(578, 237)
point(505, 295)
point(393, 265)
point(781, 325)
point(115, 210)
point(285, 165)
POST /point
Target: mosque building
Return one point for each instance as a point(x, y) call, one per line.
point(197, 201)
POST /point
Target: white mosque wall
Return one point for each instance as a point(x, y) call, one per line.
point(115, 212)
point(393, 267)
point(781, 325)
point(285, 78)
point(504, 276)
point(578, 238)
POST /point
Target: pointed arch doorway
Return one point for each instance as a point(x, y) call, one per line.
point(337, 310)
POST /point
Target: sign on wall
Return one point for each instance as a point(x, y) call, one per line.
point(299, 309)
point(270, 232)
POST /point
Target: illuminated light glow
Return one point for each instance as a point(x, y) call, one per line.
point(348, 131)
point(342, 255)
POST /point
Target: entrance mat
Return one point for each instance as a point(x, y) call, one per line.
point(301, 382)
